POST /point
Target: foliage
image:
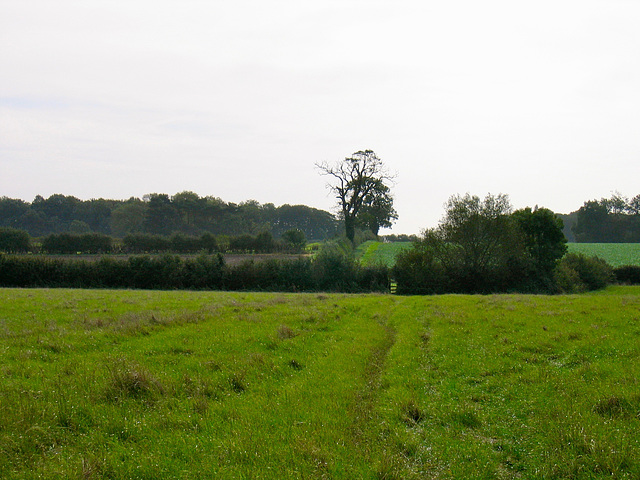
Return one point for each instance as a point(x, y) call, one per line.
point(360, 186)
point(480, 246)
point(543, 238)
point(628, 274)
point(77, 243)
point(141, 385)
point(377, 210)
point(331, 270)
point(579, 273)
point(14, 241)
point(420, 270)
point(161, 214)
point(145, 243)
point(294, 239)
point(609, 220)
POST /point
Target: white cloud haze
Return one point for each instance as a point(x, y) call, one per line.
point(113, 99)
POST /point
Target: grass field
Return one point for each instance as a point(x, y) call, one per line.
point(616, 254)
point(376, 253)
point(147, 385)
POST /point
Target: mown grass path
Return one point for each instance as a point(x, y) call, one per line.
point(136, 384)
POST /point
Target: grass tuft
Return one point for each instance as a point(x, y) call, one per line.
point(285, 332)
point(411, 413)
point(295, 364)
point(237, 382)
point(467, 419)
point(128, 380)
point(615, 407)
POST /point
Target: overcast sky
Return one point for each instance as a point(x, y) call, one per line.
point(239, 99)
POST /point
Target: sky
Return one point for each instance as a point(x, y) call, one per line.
point(240, 99)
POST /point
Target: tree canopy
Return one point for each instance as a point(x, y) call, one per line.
point(161, 214)
point(608, 220)
point(481, 246)
point(360, 185)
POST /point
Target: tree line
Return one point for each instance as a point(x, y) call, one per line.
point(483, 246)
point(19, 241)
point(161, 214)
point(608, 220)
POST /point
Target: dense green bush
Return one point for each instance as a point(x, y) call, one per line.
point(333, 268)
point(418, 272)
point(481, 246)
point(627, 274)
point(146, 243)
point(203, 272)
point(578, 273)
point(68, 243)
point(294, 240)
point(14, 241)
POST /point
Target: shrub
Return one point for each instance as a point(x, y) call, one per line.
point(577, 273)
point(208, 243)
point(146, 243)
point(333, 268)
point(242, 243)
point(294, 240)
point(418, 272)
point(628, 274)
point(184, 243)
point(67, 243)
point(14, 241)
point(204, 272)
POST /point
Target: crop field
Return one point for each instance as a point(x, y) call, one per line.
point(616, 254)
point(99, 384)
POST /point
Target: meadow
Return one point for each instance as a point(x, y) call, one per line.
point(374, 253)
point(616, 254)
point(144, 385)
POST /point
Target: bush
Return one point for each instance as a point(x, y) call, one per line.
point(628, 274)
point(67, 243)
point(333, 268)
point(294, 240)
point(418, 273)
point(146, 243)
point(333, 271)
point(14, 241)
point(181, 243)
point(578, 273)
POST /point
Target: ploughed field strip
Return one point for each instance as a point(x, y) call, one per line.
point(140, 384)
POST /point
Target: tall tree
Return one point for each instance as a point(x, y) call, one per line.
point(377, 210)
point(544, 240)
point(354, 180)
point(162, 218)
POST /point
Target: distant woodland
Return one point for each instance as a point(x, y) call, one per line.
point(161, 214)
point(608, 220)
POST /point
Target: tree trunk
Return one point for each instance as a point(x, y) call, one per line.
point(350, 228)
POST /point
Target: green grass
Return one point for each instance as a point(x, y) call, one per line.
point(616, 254)
point(379, 253)
point(141, 385)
